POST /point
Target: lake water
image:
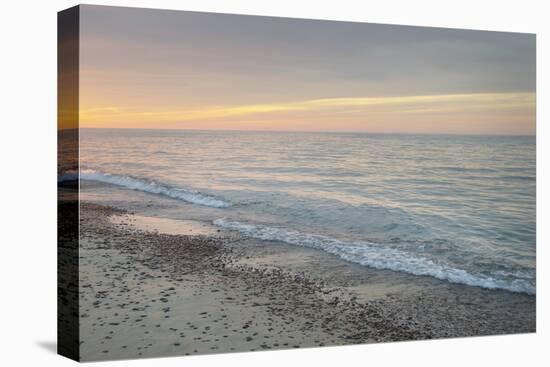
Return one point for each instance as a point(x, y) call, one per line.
point(457, 208)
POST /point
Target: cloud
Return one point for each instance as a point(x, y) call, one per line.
point(426, 104)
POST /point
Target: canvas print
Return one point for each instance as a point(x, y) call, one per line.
point(233, 183)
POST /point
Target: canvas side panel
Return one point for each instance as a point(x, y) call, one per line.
point(67, 187)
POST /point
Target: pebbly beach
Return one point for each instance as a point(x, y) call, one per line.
point(148, 293)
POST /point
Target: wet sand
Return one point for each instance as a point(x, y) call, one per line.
point(147, 291)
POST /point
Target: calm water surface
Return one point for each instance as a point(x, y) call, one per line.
point(458, 208)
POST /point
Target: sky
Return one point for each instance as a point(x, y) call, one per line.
point(142, 68)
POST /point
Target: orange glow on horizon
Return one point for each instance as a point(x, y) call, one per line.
point(404, 113)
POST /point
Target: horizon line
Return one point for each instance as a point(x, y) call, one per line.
point(310, 131)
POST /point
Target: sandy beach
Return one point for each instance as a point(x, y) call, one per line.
point(147, 291)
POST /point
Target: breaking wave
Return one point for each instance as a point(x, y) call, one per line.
point(189, 196)
point(379, 257)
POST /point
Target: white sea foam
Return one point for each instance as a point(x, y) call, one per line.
point(189, 196)
point(378, 256)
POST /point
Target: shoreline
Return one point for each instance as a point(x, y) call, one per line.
point(149, 294)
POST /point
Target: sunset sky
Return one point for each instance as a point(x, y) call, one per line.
point(182, 70)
